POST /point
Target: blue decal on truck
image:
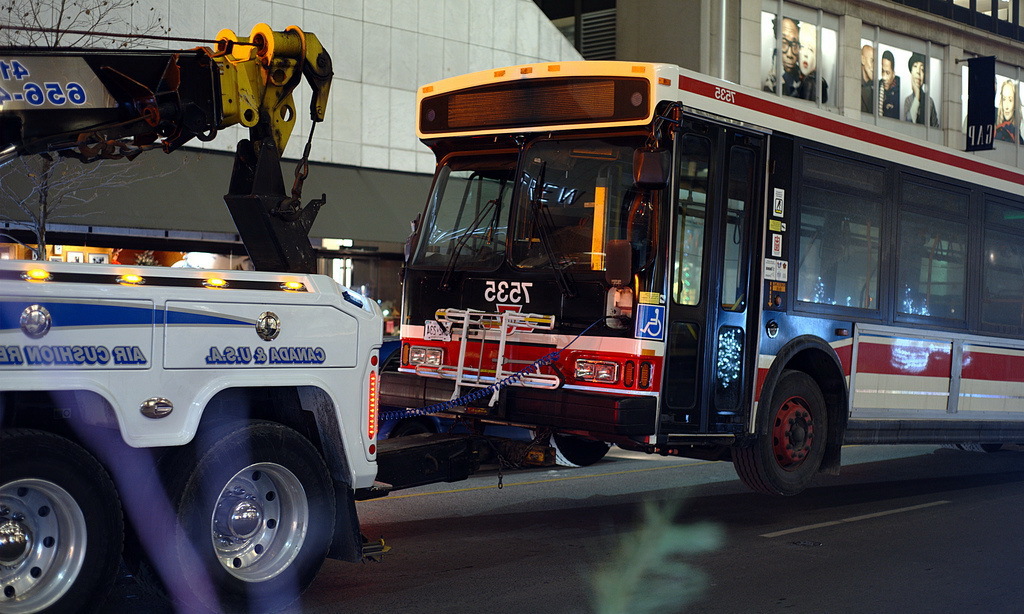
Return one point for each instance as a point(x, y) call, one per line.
point(275, 356)
point(63, 355)
point(77, 314)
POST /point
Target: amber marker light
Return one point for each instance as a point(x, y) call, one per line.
point(36, 275)
point(214, 282)
point(131, 280)
point(293, 286)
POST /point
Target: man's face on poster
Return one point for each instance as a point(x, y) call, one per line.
point(790, 44)
point(887, 73)
point(867, 63)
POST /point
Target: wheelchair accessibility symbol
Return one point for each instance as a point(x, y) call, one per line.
point(650, 322)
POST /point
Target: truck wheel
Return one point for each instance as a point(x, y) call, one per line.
point(61, 528)
point(255, 519)
point(790, 439)
point(572, 451)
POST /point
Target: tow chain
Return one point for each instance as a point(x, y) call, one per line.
point(479, 393)
point(291, 208)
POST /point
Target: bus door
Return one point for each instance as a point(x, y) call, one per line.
point(712, 300)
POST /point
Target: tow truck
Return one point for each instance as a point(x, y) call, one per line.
point(215, 426)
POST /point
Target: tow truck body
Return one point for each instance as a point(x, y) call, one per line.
point(219, 424)
point(228, 418)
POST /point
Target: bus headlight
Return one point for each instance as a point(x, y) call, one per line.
point(597, 371)
point(427, 357)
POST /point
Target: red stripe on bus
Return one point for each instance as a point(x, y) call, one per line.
point(800, 116)
point(845, 354)
point(992, 367)
point(762, 374)
point(897, 359)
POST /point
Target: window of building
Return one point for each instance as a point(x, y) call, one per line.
point(1007, 105)
point(904, 80)
point(996, 16)
point(799, 48)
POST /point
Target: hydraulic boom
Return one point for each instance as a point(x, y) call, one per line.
point(97, 104)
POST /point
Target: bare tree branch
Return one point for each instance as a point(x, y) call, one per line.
point(38, 191)
point(57, 17)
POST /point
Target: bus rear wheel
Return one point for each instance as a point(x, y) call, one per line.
point(790, 439)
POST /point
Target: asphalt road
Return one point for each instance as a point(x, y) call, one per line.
point(903, 529)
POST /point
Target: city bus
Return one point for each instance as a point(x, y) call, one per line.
point(635, 254)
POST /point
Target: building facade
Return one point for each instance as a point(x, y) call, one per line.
point(900, 65)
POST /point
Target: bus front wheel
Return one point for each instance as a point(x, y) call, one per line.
point(790, 440)
point(572, 451)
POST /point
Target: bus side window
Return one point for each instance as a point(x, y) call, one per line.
point(691, 214)
point(932, 241)
point(1002, 296)
point(734, 265)
point(840, 217)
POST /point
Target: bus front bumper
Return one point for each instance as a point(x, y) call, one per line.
point(600, 414)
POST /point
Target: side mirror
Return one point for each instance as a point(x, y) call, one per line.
point(414, 227)
point(618, 270)
point(651, 168)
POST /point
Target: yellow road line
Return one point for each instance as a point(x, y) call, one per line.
point(532, 482)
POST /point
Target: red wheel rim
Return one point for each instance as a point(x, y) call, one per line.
point(792, 433)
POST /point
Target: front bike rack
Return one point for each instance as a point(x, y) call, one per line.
point(484, 327)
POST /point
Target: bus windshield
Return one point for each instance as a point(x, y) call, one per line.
point(574, 196)
point(468, 212)
point(571, 198)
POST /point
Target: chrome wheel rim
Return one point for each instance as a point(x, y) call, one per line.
point(259, 522)
point(42, 544)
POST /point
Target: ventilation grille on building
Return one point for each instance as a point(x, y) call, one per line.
point(598, 40)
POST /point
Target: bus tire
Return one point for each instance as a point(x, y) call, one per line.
point(572, 451)
point(980, 447)
point(790, 440)
point(254, 520)
point(62, 524)
point(411, 426)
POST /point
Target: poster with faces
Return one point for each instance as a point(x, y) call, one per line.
point(1008, 109)
point(905, 82)
point(803, 61)
point(1007, 104)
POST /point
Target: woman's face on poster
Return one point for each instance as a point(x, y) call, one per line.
point(917, 74)
point(1007, 99)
